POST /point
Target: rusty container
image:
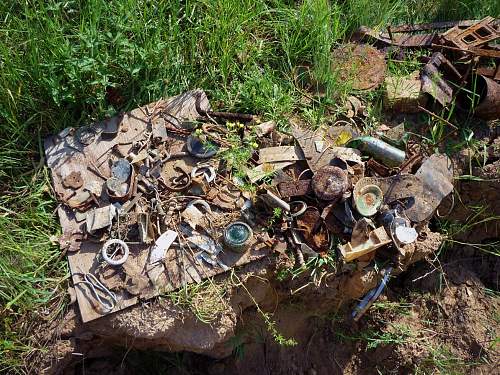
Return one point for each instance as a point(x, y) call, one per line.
point(330, 183)
point(489, 102)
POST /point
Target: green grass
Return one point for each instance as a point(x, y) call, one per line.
point(69, 63)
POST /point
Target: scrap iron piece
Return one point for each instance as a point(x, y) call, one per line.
point(297, 208)
point(193, 216)
point(160, 247)
point(375, 239)
point(205, 243)
point(99, 218)
point(404, 94)
point(207, 171)
point(231, 116)
point(295, 188)
point(121, 170)
point(379, 150)
point(265, 128)
point(116, 246)
point(436, 174)
point(71, 241)
point(361, 64)
point(433, 82)
point(178, 183)
point(371, 296)
point(479, 34)
point(159, 130)
point(85, 135)
point(330, 183)
point(106, 298)
point(266, 169)
point(73, 180)
point(143, 222)
point(315, 159)
point(365, 34)
point(489, 102)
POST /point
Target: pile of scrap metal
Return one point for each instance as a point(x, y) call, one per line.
point(463, 70)
point(147, 205)
point(358, 202)
point(164, 187)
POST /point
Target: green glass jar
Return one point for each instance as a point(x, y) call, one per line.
point(237, 236)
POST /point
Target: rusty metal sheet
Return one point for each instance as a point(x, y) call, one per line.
point(361, 64)
point(295, 188)
point(318, 159)
point(365, 34)
point(431, 26)
point(266, 169)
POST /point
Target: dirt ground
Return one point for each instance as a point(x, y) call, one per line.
point(428, 321)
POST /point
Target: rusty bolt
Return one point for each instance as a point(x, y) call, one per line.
point(330, 183)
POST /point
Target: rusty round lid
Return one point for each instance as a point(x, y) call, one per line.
point(330, 183)
point(361, 64)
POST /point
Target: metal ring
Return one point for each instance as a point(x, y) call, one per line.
point(108, 259)
point(205, 205)
point(299, 212)
point(177, 184)
point(202, 171)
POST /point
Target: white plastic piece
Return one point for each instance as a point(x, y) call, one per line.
point(405, 235)
point(162, 244)
point(109, 258)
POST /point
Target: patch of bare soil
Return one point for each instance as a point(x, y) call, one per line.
point(427, 322)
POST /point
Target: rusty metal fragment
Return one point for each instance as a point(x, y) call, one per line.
point(265, 128)
point(158, 250)
point(436, 174)
point(433, 78)
point(100, 218)
point(476, 35)
point(295, 188)
point(73, 180)
point(330, 183)
point(489, 102)
point(317, 159)
point(159, 131)
point(404, 94)
point(363, 65)
point(266, 169)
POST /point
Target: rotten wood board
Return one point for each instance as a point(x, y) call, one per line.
point(65, 154)
point(172, 278)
